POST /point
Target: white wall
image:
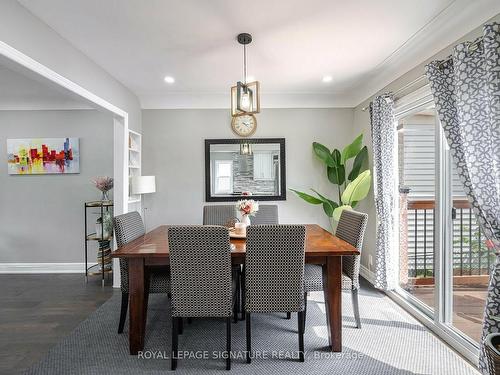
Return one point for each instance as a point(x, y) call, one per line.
point(173, 150)
point(41, 216)
point(23, 31)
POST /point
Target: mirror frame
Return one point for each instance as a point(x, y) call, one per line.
point(280, 197)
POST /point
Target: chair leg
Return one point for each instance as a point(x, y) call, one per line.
point(305, 309)
point(249, 338)
point(236, 307)
point(175, 343)
point(228, 343)
point(289, 315)
point(355, 305)
point(243, 295)
point(123, 312)
point(181, 326)
point(300, 323)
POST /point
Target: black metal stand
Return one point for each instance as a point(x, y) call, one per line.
point(104, 206)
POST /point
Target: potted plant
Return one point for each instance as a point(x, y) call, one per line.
point(351, 179)
point(492, 350)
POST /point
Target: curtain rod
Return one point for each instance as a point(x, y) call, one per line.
point(471, 47)
point(408, 85)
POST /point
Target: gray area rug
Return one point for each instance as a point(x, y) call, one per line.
point(390, 342)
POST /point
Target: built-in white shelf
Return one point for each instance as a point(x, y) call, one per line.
point(134, 165)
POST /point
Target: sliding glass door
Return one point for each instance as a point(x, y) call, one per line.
point(417, 192)
point(443, 261)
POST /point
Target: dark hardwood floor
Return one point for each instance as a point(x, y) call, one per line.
point(37, 311)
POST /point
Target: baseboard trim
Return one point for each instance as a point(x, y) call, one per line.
point(42, 268)
point(367, 274)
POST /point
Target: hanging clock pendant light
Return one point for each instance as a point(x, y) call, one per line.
point(245, 96)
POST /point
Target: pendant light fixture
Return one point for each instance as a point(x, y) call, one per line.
point(246, 148)
point(245, 96)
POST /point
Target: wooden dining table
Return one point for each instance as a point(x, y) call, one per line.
point(151, 250)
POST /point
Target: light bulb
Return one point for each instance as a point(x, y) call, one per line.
point(245, 101)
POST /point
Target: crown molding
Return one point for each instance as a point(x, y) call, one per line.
point(444, 30)
point(187, 100)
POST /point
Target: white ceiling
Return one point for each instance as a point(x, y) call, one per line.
point(23, 90)
point(362, 44)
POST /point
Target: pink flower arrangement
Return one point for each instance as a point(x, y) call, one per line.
point(247, 206)
point(103, 183)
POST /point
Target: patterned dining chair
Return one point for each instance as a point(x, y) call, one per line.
point(274, 281)
point(225, 214)
point(129, 227)
point(267, 214)
point(200, 264)
point(351, 228)
point(219, 214)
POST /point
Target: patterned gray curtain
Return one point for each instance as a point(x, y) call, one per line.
point(384, 162)
point(466, 91)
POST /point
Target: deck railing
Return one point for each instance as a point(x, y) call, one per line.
point(470, 255)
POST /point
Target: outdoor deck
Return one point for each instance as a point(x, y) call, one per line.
point(468, 306)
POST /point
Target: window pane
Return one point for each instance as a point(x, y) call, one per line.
point(471, 263)
point(224, 169)
point(223, 185)
point(416, 150)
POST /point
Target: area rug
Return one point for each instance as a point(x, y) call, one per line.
point(389, 342)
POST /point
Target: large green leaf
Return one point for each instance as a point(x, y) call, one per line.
point(308, 198)
point(360, 164)
point(328, 204)
point(336, 172)
point(353, 149)
point(323, 153)
point(338, 211)
point(358, 189)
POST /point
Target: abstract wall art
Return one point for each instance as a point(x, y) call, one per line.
point(43, 156)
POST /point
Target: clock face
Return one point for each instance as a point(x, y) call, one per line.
point(244, 125)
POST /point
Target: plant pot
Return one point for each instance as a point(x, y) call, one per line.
point(491, 348)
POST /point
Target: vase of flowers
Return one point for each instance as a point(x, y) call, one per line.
point(104, 184)
point(247, 208)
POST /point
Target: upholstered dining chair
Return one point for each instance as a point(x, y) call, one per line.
point(129, 227)
point(351, 228)
point(200, 264)
point(274, 280)
point(219, 214)
point(225, 214)
point(267, 214)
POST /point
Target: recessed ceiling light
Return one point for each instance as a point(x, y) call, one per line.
point(169, 79)
point(327, 79)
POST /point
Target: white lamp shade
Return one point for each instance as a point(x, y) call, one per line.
point(143, 184)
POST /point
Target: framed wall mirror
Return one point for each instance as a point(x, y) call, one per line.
point(245, 168)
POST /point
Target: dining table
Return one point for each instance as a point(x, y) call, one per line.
point(151, 250)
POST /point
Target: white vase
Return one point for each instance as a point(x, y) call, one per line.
point(245, 219)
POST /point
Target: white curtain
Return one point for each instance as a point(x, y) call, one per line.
point(384, 163)
point(466, 91)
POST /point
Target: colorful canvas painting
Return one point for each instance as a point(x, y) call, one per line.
point(43, 156)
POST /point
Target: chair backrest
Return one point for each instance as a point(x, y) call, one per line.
point(127, 227)
point(351, 228)
point(274, 268)
point(219, 214)
point(200, 271)
point(267, 214)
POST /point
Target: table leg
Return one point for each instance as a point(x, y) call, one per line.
point(137, 313)
point(332, 289)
